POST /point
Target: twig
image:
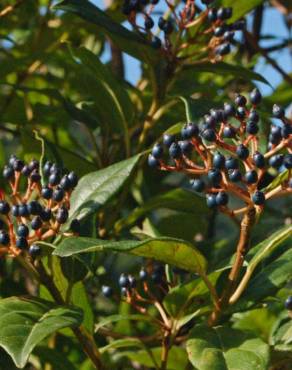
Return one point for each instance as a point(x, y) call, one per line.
point(262, 51)
point(242, 248)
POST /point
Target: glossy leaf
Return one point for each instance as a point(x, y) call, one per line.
point(177, 199)
point(24, 322)
point(130, 42)
point(228, 69)
point(267, 282)
point(169, 250)
point(226, 349)
point(95, 189)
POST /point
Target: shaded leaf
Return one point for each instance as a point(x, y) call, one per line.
point(226, 349)
point(228, 69)
point(130, 42)
point(177, 199)
point(24, 322)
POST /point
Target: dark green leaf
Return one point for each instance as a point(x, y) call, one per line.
point(177, 358)
point(267, 282)
point(228, 69)
point(177, 199)
point(95, 189)
point(130, 42)
point(25, 322)
point(226, 349)
point(176, 252)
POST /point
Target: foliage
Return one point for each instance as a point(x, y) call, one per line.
point(139, 273)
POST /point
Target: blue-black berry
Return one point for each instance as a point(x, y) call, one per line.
point(124, 281)
point(258, 198)
point(21, 243)
point(278, 112)
point(175, 151)
point(276, 160)
point(8, 173)
point(252, 128)
point(209, 134)
point(22, 230)
point(185, 146)
point(46, 214)
point(211, 200)
point(34, 208)
point(240, 100)
point(259, 160)
point(34, 251)
point(58, 194)
point(4, 207)
point(288, 303)
point(143, 275)
point(229, 132)
point(152, 162)
point(73, 178)
point(215, 176)
point(75, 226)
point(234, 175)
point(218, 161)
point(242, 151)
point(288, 161)
point(157, 151)
point(222, 198)
point(36, 223)
point(251, 177)
point(107, 291)
point(231, 163)
point(197, 185)
point(168, 139)
point(4, 238)
point(47, 192)
point(62, 215)
point(255, 97)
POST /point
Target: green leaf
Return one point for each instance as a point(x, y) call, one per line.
point(283, 176)
point(226, 349)
point(266, 247)
point(281, 336)
point(179, 298)
point(122, 343)
point(177, 358)
point(168, 250)
point(116, 318)
point(177, 199)
point(240, 8)
point(24, 322)
point(128, 41)
point(54, 357)
point(95, 189)
point(228, 69)
point(73, 269)
point(267, 282)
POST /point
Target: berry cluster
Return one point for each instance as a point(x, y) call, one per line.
point(182, 18)
point(222, 154)
point(36, 207)
point(148, 288)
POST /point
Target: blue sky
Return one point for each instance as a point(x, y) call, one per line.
point(273, 24)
